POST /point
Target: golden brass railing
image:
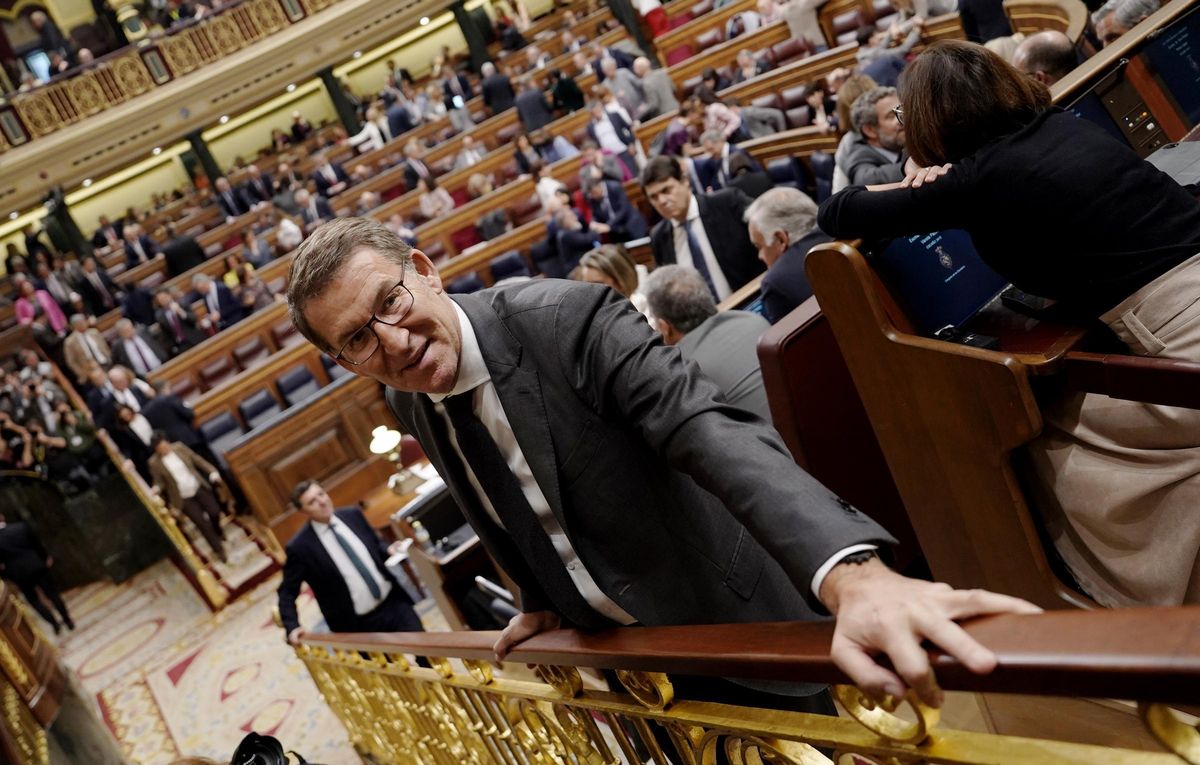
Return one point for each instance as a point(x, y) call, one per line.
point(465, 712)
point(31, 684)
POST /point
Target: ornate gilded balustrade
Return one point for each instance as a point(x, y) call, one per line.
point(141, 68)
point(461, 711)
point(31, 684)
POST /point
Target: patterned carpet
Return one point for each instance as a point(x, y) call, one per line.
point(172, 679)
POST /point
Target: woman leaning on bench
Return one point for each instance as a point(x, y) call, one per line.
point(1064, 211)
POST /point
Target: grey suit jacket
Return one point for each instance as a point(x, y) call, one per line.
point(725, 347)
point(684, 510)
point(659, 93)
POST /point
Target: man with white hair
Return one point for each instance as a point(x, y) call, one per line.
point(624, 84)
point(136, 350)
point(495, 89)
point(658, 91)
point(783, 226)
point(1119, 16)
point(223, 309)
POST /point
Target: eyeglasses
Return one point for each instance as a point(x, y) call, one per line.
point(899, 112)
point(362, 344)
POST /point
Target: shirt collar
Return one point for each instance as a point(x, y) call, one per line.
point(692, 214)
point(472, 369)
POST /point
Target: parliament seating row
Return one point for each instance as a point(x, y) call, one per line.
point(700, 33)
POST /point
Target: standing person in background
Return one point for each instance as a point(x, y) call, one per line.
point(24, 562)
point(186, 480)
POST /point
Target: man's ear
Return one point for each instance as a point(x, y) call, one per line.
point(426, 270)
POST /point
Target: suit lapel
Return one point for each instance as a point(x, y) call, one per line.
point(520, 392)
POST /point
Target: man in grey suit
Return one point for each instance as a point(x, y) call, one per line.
point(658, 91)
point(724, 345)
point(639, 495)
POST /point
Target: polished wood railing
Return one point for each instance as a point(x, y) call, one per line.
point(464, 710)
point(32, 684)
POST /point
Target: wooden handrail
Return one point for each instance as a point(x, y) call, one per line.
point(681, 34)
point(1144, 654)
point(1167, 382)
point(1030, 16)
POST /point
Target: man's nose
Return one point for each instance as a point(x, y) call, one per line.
point(393, 338)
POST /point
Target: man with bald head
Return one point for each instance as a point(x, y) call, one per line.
point(532, 398)
point(1046, 56)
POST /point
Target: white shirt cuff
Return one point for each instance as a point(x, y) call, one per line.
point(819, 577)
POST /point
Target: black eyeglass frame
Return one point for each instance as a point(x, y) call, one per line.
point(370, 325)
point(898, 110)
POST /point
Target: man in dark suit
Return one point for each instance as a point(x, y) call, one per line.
point(613, 435)
point(314, 209)
point(224, 310)
point(135, 349)
point(99, 292)
point(711, 223)
point(330, 178)
point(343, 560)
point(231, 201)
point(139, 248)
point(24, 562)
point(181, 252)
point(398, 119)
point(532, 107)
point(258, 186)
point(107, 235)
point(168, 413)
point(177, 324)
point(138, 306)
point(414, 167)
point(717, 172)
point(783, 226)
point(573, 238)
point(495, 89)
point(612, 133)
point(611, 206)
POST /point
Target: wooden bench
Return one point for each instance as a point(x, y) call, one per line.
point(689, 36)
point(1032, 16)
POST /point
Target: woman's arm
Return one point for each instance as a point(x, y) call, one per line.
point(876, 212)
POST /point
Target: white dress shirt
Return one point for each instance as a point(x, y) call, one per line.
point(475, 380)
point(127, 398)
point(141, 427)
point(100, 356)
point(144, 359)
point(185, 479)
point(684, 256)
point(606, 136)
point(360, 594)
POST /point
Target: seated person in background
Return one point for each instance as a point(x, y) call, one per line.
point(233, 269)
point(85, 349)
point(525, 154)
point(611, 264)
point(757, 121)
point(289, 235)
point(279, 140)
point(181, 252)
point(875, 153)
point(231, 201)
point(414, 167)
point(107, 235)
point(565, 93)
point(176, 323)
point(552, 148)
point(401, 228)
point(1107, 236)
point(223, 308)
point(25, 563)
point(574, 239)
point(1119, 16)
point(705, 232)
point(300, 128)
point(715, 172)
point(434, 200)
point(139, 248)
point(875, 44)
point(724, 345)
point(359, 173)
point(682, 133)
point(331, 179)
point(255, 249)
point(822, 107)
point(258, 186)
point(748, 176)
point(314, 209)
point(253, 292)
point(470, 154)
point(494, 222)
point(719, 116)
point(713, 80)
point(783, 226)
point(367, 201)
point(185, 480)
point(748, 67)
point(546, 186)
point(136, 349)
point(343, 560)
point(611, 206)
point(612, 133)
point(1046, 56)
point(77, 429)
point(37, 308)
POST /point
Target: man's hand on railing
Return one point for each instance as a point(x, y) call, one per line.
point(880, 612)
point(522, 627)
point(295, 636)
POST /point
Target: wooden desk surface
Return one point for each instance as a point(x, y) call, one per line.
point(1038, 343)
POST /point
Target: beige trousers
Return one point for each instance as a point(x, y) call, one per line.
point(1119, 481)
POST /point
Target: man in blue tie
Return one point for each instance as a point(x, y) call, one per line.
point(342, 559)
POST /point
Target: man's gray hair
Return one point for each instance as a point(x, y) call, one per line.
point(199, 279)
point(488, 69)
point(76, 318)
point(783, 209)
point(321, 256)
point(862, 111)
point(1129, 12)
point(679, 296)
point(714, 135)
point(122, 324)
point(1100, 13)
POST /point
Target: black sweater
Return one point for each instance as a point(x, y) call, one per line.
point(1059, 208)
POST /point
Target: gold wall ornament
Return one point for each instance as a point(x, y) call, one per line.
point(1171, 732)
point(39, 113)
point(268, 16)
point(131, 75)
point(181, 54)
point(565, 680)
point(878, 718)
point(86, 94)
point(225, 34)
point(651, 689)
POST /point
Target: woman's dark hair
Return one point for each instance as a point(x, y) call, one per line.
point(959, 97)
point(815, 86)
